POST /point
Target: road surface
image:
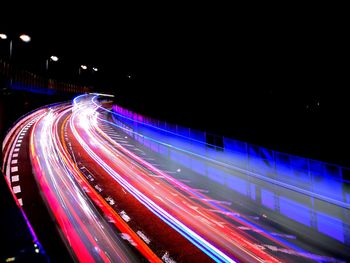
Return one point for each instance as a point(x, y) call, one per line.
point(118, 193)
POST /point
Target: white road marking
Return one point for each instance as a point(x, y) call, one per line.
point(167, 259)
point(16, 189)
point(14, 169)
point(128, 238)
point(124, 216)
point(19, 140)
point(20, 201)
point(18, 145)
point(15, 178)
point(15, 155)
point(143, 236)
point(16, 150)
point(110, 200)
point(98, 188)
point(14, 161)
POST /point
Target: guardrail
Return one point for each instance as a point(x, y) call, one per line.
point(19, 79)
point(326, 181)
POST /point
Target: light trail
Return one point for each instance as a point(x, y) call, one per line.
point(135, 183)
point(87, 234)
point(65, 136)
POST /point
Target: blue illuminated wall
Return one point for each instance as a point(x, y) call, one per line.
point(322, 179)
point(311, 193)
point(32, 88)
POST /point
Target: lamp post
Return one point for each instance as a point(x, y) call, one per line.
point(82, 67)
point(24, 37)
point(82, 79)
point(90, 70)
point(51, 58)
point(4, 37)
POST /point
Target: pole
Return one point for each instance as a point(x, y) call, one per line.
point(10, 49)
point(11, 65)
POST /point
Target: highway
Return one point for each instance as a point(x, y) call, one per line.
point(119, 195)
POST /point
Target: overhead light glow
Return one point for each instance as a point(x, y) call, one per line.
point(3, 36)
point(54, 58)
point(95, 69)
point(83, 67)
point(25, 38)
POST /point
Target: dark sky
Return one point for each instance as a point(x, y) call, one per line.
point(189, 46)
point(252, 45)
point(270, 74)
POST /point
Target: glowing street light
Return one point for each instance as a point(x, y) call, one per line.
point(82, 67)
point(95, 69)
point(52, 58)
point(25, 38)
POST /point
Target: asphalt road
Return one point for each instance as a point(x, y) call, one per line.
point(106, 193)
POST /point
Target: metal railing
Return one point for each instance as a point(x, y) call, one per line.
point(19, 79)
point(316, 178)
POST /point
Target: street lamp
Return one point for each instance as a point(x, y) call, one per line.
point(52, 58)
point(24, 37)
point(82, 67)
point(87, 74)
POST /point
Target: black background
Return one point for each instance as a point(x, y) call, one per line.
point(271, 75)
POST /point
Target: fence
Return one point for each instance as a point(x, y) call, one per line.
point(319, 179)
point(27, 81)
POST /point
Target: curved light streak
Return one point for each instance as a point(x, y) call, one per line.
point(86, 233)
point(81, 115)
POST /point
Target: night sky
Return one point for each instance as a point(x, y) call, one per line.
point(271, 75)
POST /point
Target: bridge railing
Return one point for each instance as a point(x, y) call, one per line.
point(313, 177)
point(19, 79)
